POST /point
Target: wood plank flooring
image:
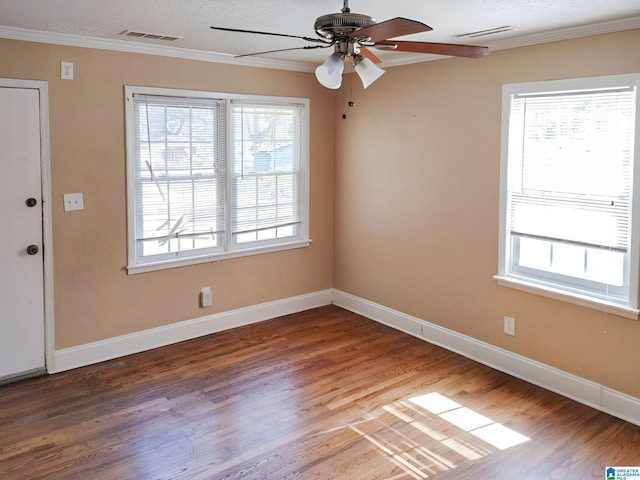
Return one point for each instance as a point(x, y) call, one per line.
point(324, 394)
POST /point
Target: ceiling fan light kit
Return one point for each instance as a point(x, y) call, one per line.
point(329, 74)
point(368, 71)
point(352, 33)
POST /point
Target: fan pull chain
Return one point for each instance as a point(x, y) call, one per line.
point(351, 103)
point(344, 102)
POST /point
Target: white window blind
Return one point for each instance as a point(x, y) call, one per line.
point(214, 175)
point(571, 178)
point(266, 141)
point(180, 175)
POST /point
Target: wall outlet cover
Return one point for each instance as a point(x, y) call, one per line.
point(510, 326)
point(66, 70)
point(206, 297)
point(73, 201)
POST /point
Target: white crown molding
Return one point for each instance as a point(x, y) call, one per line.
point(205, 56)
point(117, 45)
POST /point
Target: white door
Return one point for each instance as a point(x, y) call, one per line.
point(21, 253)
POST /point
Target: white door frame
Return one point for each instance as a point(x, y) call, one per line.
point(47, 218)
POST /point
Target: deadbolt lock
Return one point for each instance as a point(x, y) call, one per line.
point(31, 202)
point(32, 249)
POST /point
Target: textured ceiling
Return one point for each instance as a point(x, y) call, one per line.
point(190, 20)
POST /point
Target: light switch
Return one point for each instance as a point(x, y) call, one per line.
point(73, 201)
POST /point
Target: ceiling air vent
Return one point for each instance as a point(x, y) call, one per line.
point(484, 33)
point(151, 36)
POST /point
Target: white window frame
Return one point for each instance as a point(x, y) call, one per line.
point(552, 287)
point(139, 264)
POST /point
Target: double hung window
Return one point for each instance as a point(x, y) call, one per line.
point(213, 175)
point(568, 218)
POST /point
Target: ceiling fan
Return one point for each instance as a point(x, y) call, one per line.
point(353, 34)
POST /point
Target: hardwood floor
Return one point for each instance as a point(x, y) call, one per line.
point(324, 394)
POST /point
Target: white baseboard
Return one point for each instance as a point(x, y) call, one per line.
point(584, 391)
point(571, 386)
point(87, 354)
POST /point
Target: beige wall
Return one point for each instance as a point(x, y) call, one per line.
point(424, 141)
point(417, 170)
point(94, 297)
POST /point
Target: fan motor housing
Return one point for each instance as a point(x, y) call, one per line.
point(341, 24)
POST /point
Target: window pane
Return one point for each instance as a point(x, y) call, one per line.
point(535, 254)
point(246, 237)
point(266, 190)
point(568, 260)
point(267, 234)
point(605, 266)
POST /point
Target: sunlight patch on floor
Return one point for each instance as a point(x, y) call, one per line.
point(470, 421)
point(428, 434)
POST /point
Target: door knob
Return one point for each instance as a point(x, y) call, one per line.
point(32, 249)
point(31, 202)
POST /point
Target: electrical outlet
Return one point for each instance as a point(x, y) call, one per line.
point(66, 70)
point(510, 326)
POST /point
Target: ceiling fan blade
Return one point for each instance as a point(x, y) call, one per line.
point(365, 52)
point(239, 30)
point(396, 27)
point(306, 47)
point(451, 49)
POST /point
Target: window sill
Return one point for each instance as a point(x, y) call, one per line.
point(614, 308)
point(183, 262)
